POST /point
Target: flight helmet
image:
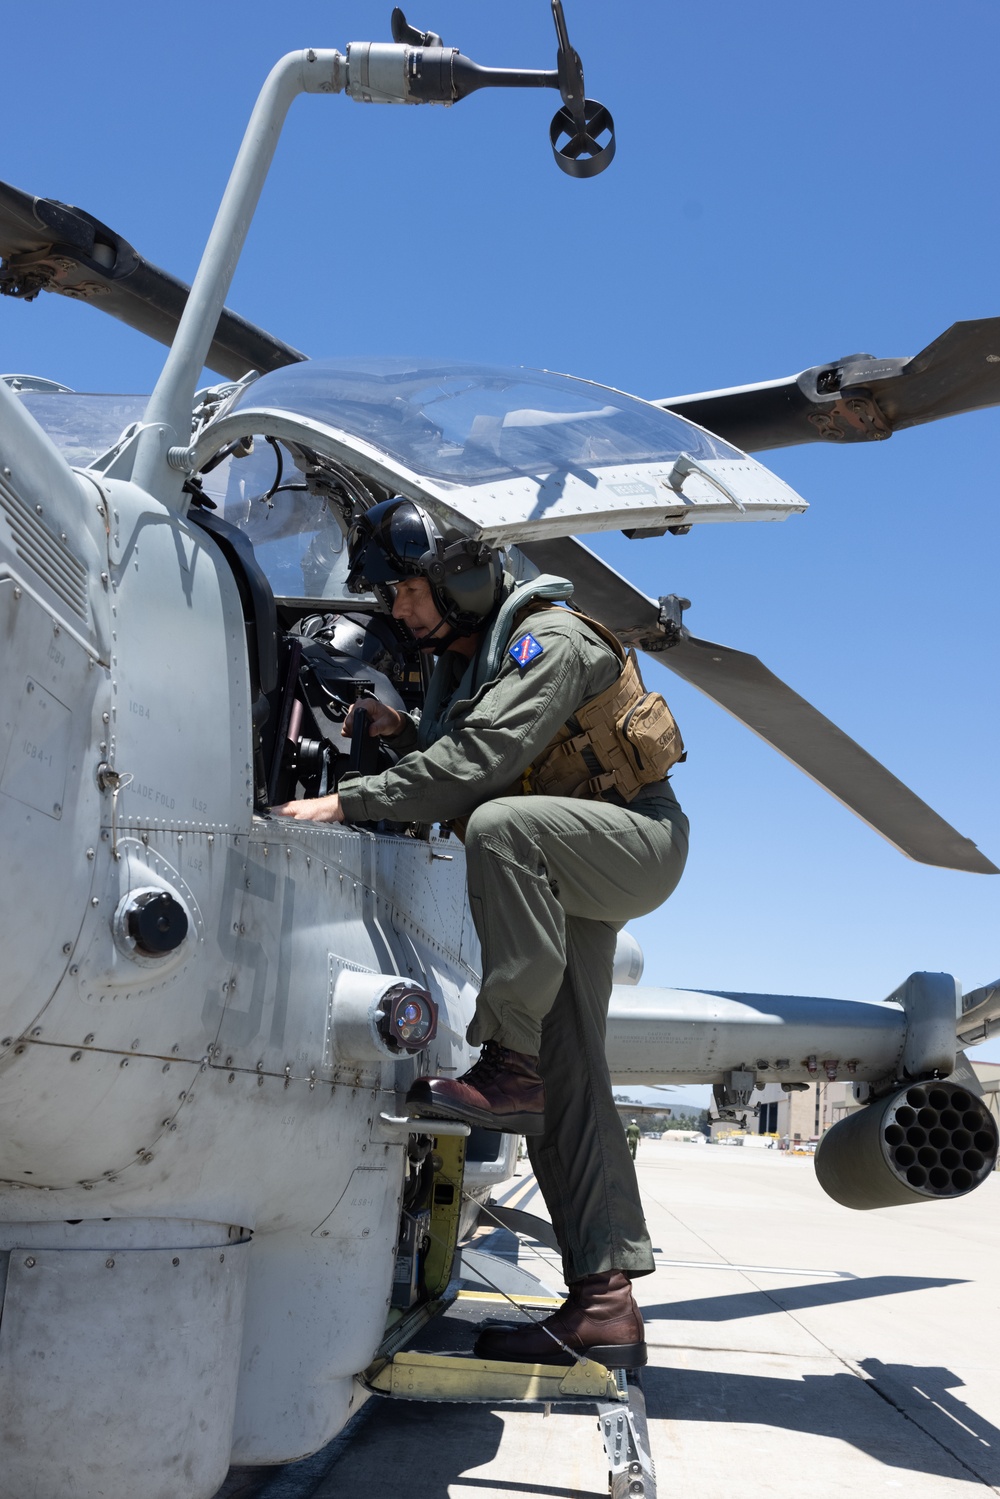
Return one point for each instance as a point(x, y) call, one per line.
point(397, 539)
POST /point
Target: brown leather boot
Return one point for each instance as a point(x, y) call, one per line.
point(502, 1091)
point(599, 1319)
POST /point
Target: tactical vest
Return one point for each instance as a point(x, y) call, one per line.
point(623, 739)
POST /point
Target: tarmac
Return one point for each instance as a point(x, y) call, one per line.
point(793, 1344)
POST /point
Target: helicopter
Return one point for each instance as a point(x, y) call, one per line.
point(213, 1202)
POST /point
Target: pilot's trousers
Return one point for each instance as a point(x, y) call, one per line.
point(551, 882)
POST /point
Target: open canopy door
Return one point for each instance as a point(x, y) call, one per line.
point(508, 454)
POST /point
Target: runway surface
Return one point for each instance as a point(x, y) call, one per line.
point(794, 1345)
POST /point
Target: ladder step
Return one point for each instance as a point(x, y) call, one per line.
point(435, 1376)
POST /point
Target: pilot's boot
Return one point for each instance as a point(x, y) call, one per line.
point(599, 1319)
point(502, 1091)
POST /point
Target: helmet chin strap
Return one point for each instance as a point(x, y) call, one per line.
point(432, 641)
point(447, 641)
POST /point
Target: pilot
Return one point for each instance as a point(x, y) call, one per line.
point(513, 748)
point(633, 1135)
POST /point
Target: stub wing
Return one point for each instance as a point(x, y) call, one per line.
point(660, 1036)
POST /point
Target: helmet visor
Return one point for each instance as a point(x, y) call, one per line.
point(389, 546)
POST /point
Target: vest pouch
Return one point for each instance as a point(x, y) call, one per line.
point(650, 734)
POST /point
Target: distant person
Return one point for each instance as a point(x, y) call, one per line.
point(633, 1135)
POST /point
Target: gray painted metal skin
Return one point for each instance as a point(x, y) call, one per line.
point(181, 1285)
point(205, 1096)
point(692, 1036)
point(156, 1114)
point(688, 1036)
point(980, 1013)
point(308, 71)
point(203, 1087)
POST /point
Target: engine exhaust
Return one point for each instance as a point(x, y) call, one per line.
point(931, 1140)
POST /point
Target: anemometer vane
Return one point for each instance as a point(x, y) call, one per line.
point(414, 68)
point(582, 132)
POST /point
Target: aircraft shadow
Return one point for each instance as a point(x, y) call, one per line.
point(843, 1407)
point(762, 1303)
point(401, 1450)
point(419, 1450)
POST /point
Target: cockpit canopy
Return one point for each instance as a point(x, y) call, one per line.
point(476, 426)
point(506, 455)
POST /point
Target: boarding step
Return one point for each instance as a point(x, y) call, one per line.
point(440, 1368)
point(413, 1375)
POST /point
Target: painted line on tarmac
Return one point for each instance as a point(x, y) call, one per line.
point(522, 1191)
point(661, 1262)
point(755, 1269)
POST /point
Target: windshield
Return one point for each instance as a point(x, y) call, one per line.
point(83, 426)
point(473, 424)
point(297, 536)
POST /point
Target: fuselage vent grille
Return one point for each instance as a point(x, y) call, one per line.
point(48, 556)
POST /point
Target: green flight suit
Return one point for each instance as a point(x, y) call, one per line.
point(551, 882)
point(633, 1135)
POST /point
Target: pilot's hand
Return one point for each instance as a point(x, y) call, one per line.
point(383, 721)
point(316, 809)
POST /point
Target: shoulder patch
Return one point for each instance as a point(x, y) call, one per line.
point(525, 650)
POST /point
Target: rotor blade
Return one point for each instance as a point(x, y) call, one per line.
point(745, 688)
point(857, 399)
point(960, 371)
point(49, 246)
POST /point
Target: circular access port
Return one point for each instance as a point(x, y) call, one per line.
point(904, 1157)
point(962, 1180)
point(156, 922)
point(973, 1161)
point(960, 1100)
point(983, 1141)
point(950, 1158)
point(917, 1097)
point(949, 1119)
point(961, 1139)
point(917, 1176)
point(972, 1120)
point(927, 1156)
point(906, 1117)
point(939, 1178)
point(937, 1098)
point(928, 1118)
point(894, 1135)
point(916, 1136)
point(939, 1138)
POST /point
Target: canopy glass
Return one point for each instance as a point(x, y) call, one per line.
point(472, 424)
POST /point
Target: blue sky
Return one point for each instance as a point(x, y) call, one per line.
point(790, 186)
